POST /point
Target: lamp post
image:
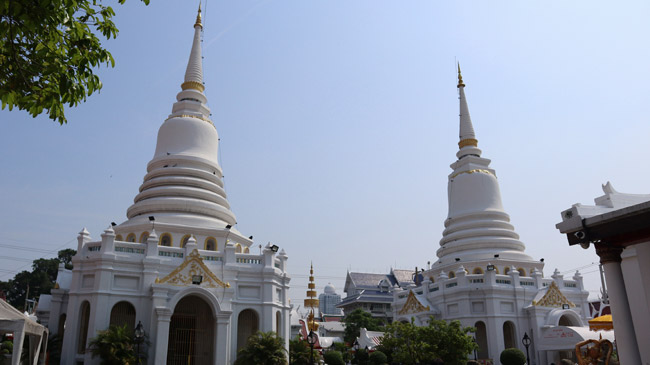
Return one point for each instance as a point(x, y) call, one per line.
point(355, 346)
point(139, 335)
point(311, 339)
point(526, 342)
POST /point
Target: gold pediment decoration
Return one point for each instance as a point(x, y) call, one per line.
point(413, 305)
point(553, 298)
point(193, 265)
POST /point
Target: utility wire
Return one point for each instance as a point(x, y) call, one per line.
point(579, 268)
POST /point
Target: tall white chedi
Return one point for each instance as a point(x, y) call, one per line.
point(477, 227)
point(183, 184)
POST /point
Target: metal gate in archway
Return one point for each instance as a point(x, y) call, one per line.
point(191, 333)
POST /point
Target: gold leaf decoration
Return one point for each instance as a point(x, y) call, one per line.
point(553, 298)
point(413, 305)
point(193, 265)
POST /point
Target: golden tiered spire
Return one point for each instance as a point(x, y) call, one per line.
point(198, 18)
point(312, 301)
point(460, 77)
point(467, 136)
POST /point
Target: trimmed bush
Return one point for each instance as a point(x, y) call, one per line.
point(512, 356)
point(378, 358)
point(333, 358)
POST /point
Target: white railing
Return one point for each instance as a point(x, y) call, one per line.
point(249, 259)
point(174, 252)
point(130, 247)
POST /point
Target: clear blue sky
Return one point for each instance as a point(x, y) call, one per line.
point(338, 122)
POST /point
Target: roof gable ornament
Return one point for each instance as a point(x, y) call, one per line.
point(553, 298)
point(413, 305)
point(192, 266)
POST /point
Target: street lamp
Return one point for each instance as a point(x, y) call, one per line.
point(139, 335)
point(311, 339)
point(526, 342)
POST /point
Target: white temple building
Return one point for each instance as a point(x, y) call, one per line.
point(484, 278)
point(178, 265)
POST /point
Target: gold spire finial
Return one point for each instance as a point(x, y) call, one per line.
point(198, 18)
point(312, 302)
point(460, 77)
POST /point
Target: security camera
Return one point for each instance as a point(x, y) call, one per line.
point(584, 245)
point(580, 235)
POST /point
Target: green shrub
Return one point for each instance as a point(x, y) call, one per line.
point(6, 347)
point(360, 357)
point(333, 358)
point(378, 358)
point(512, 356)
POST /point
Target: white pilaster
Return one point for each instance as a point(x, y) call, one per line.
point(622, 318)
point(163, 319)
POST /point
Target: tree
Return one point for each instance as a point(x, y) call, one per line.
point(357, 320)
point(65, 256)
point(114, 346)
point(48, 50)
point(299, 352)
point(451, 341)
point(343, 349)
point(361, 357)
point(264, 348)
point(439, 340)
point(405, 343)
point(39, 281)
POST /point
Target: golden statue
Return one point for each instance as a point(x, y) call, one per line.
point(594, 352)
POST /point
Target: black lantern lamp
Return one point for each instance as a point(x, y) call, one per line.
point(311, 339)
point(526, 342)
point(139, 336)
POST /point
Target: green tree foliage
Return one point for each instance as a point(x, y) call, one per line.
point(264, 348)
point(357, 320)
point(39, 281)
point(65, 256)
point(114, 346)
point(410, 344)
point(333, 357)
point(512, 356)
point(378, 358)
point(299, 352)
point(48, 50)
point(343, 349)
point(6, 347)
point(361, 357)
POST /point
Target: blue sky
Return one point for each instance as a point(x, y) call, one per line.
point(339, 119)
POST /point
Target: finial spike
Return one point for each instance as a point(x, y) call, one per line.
point(198, 17)
point(460, 77)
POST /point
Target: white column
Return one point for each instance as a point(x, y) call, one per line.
point(163, 318)
point(223, 340)
point(69, 348)
point(635, 271)
point(610, 257)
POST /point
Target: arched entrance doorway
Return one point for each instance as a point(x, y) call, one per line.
point(247, 325)
point(123, 313)
point(509, 336)
point(481, 340)
point(566, 320)
point(191, 333)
